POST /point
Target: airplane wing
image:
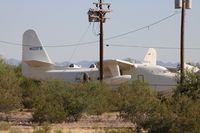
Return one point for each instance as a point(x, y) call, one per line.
point(116, 68)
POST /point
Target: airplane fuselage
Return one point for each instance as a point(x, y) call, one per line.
point(158, 77)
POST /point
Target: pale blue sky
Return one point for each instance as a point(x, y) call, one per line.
point(65, 21)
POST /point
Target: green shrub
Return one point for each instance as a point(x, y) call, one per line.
point(49, 103)
point(74, 102)
point(139, 104)
point(186, 114)
point(10, 91)
point(190, 86)
point(4, 125)
point(30, 91)
point(58, 101)
point(178, 113)
point(97, 98)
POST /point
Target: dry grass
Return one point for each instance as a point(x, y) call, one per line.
point(106, 123)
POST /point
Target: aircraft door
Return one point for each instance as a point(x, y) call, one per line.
point(82, 77)
point(86, 77)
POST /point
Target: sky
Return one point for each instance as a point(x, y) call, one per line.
point(65, 22)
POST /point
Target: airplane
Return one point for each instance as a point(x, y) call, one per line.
point(36, 64)
point(159, 78)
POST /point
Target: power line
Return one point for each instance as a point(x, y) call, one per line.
point(93, 42)
point(144, 27)
point(81, 38)
point(61, 45)
point(157, 47)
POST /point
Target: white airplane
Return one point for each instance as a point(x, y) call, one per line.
point(158, 77)
point(36, 64)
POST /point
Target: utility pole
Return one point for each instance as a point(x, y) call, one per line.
point(183, 4)
point(101, 47)
point(98, 15)
point(182, 41)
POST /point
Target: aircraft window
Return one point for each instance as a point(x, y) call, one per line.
point(71, 65)
point(93, 66)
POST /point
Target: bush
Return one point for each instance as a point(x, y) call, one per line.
point(74, 103)
point(4, 125)
point(139, 104)
point(10, 91)
point(190, 86)
point(178, 113)
point(185, 104)
point(97, 98)
point(30, 90)
point(58, 101)
point(186, 114)
point(49, 103)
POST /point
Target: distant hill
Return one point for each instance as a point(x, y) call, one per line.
point(168, 64)
point(13, 61)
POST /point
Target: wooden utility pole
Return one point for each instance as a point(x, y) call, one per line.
point(98, 15)
point(101, 47)
point(182, 41)
point(183, 5)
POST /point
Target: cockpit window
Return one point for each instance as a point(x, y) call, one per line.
point(71, 65)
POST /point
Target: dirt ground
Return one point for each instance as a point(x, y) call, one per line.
point(21, 123)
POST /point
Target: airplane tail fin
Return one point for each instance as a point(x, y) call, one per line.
point(33, 53)
point(151, 57)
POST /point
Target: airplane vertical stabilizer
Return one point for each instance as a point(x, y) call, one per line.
point(151, 57)
point(33, 53)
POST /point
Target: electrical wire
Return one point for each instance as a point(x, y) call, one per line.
point(81, 38)
point(157, 47)
point(144, 27)
point(94, 42)
point(53, 46)
point(94, 30)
